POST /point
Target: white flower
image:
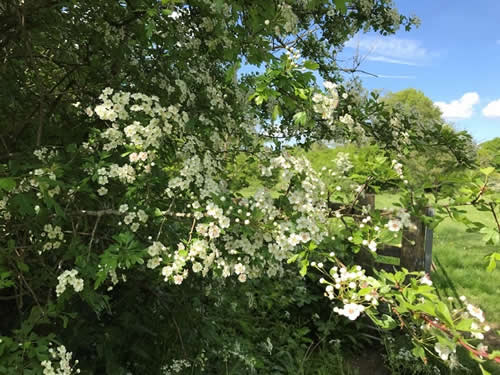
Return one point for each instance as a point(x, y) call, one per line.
point(213, 231)
point(475, 327)
point(102, 191)
point(239, 268)
point(69, 277)
point(167, 272)
point(305, 236)
point(372, 246)
point(178, 279)
point(197, 267)
point(394, 225)
point(242, 278)
point(351, 310)
point(476, 312)
point(426, 280)
point(143, 217)
point(443, 351)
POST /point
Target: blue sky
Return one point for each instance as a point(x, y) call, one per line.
point(453, 57)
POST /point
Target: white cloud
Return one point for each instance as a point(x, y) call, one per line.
point(391, 49)
point(390, 60)
point(492, 109)
point(460, 108)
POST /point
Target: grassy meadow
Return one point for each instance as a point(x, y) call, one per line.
point(459, 262)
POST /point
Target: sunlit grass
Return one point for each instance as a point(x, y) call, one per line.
point(459, 259)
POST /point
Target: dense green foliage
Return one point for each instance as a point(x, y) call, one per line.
point(489, 153)
point(127, 243)
point(414, 100)
point(434, 168)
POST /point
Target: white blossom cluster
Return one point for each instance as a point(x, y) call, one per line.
point(133, 219)
point(45, 154)
point(346, 285)
point(400, 137)
point(60, 363)
point(325, 104)
point(146, 139)
point(221, 242)
point(54, 235)
point(69, 277)
point(38, 181)
point(177, 366)
point(3, 208)
point(445, 351)
point(398, 168)
point(343, 162)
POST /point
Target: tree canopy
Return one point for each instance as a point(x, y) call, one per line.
point(415, 100)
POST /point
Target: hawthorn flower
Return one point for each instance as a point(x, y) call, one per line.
point(372, 246)
point(239, 268)
point(394, 225)
point(351, 310)
point(443, 351)
point(178, 279)
point(69, 277)
point(197, 267)
point(102, 191)
point(476, 312)
point(426, 280)
point(213, 231)
point(475, 331)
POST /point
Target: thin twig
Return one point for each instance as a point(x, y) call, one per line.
point(31, 291)
point(492, 207)
point(93, 235)
point(99, 213)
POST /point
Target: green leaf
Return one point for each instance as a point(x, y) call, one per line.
point(303, 269)
point(419, 352)
point(341, 6)
point(464, 325)
point(300, 118)
point(311, 65)
point(444, 314)
point(487, 171)
point(276, 112)
point(483, 371)
point(494, 257)
point(7, 183)
point(292, 259)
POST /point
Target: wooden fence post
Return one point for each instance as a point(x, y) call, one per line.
point(368, 200)
point(416, 247)
point(413, 246)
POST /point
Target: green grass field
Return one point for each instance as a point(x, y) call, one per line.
point(460, 265)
